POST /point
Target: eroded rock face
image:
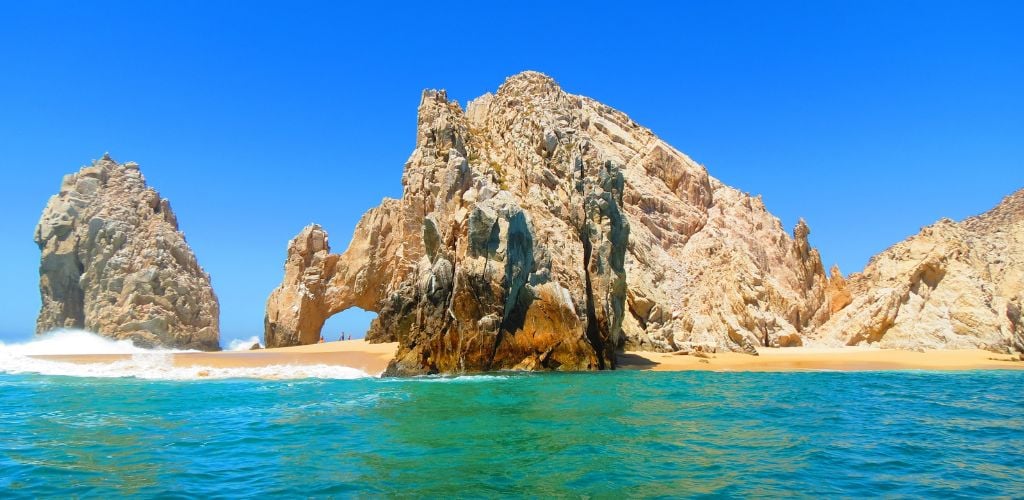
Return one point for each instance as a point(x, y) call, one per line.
point(951, 286)
point(113, 262)
point(543, 230)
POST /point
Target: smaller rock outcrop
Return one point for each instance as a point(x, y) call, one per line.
point(951, 286)
point(114, 262)
point(302, 289)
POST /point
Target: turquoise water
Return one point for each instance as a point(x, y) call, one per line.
point(604, 435)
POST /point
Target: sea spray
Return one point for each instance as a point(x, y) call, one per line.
point(72, 341)
point(136, 362)
point(243, 344)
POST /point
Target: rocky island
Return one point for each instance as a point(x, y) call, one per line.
point(543, 230)
point(114, 262)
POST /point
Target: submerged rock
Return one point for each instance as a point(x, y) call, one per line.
point(543, 230)
point(114, 262)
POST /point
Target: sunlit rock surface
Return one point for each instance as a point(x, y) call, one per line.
point(951, 286)
point(114, 262)
point(543, 230)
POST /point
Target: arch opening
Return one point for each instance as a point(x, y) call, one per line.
point(353, 322)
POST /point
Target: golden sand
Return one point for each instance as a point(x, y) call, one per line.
point(374, 358)
point(370, 358)
point(809, 358)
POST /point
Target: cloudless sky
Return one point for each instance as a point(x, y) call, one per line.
point(868, 119)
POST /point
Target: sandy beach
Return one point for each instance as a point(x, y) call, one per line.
point(810, 358)
point(374, 358)
point(370, 358)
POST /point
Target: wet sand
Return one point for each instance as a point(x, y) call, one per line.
point(810, 358)
point(370, 358)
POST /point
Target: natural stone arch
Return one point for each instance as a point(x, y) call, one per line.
point(299, 307)
point(318, 284)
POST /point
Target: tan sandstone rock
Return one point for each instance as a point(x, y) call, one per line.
point(951, 286)
point(113, 262)
point(543, 230)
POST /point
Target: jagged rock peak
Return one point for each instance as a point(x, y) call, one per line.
point(529, 83)
point(801, 231)
point(113, 262)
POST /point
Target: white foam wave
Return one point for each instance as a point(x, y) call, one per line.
point(243, 344)
point(142, 363)
point(71, 341)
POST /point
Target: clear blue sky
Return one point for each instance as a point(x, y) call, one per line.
point(869, 119)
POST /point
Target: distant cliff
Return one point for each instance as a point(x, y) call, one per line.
point(951, 286)
point(113, 262)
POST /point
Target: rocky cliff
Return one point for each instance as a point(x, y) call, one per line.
point(543, 230)
point(951, 286)
point(114, 262)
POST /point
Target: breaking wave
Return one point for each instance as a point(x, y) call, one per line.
point(72, 341)
point(130, 361)
point(243, 344)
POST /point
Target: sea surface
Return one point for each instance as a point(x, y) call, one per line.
point(613, 434)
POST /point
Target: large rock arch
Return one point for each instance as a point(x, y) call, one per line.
point(318, 284)
point(465, 271)
point(543, 230)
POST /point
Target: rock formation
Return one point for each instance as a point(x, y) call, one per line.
point(114, 263)
point(543, 230)
point(951, 286)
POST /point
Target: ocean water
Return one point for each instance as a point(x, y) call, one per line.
point(613, 434)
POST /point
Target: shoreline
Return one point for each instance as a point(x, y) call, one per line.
point(359, 354)
point(374, 358)
point(794, 359)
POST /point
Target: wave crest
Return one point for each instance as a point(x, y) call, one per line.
point(243, 344)
point(73, 341)
point(136, 362)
